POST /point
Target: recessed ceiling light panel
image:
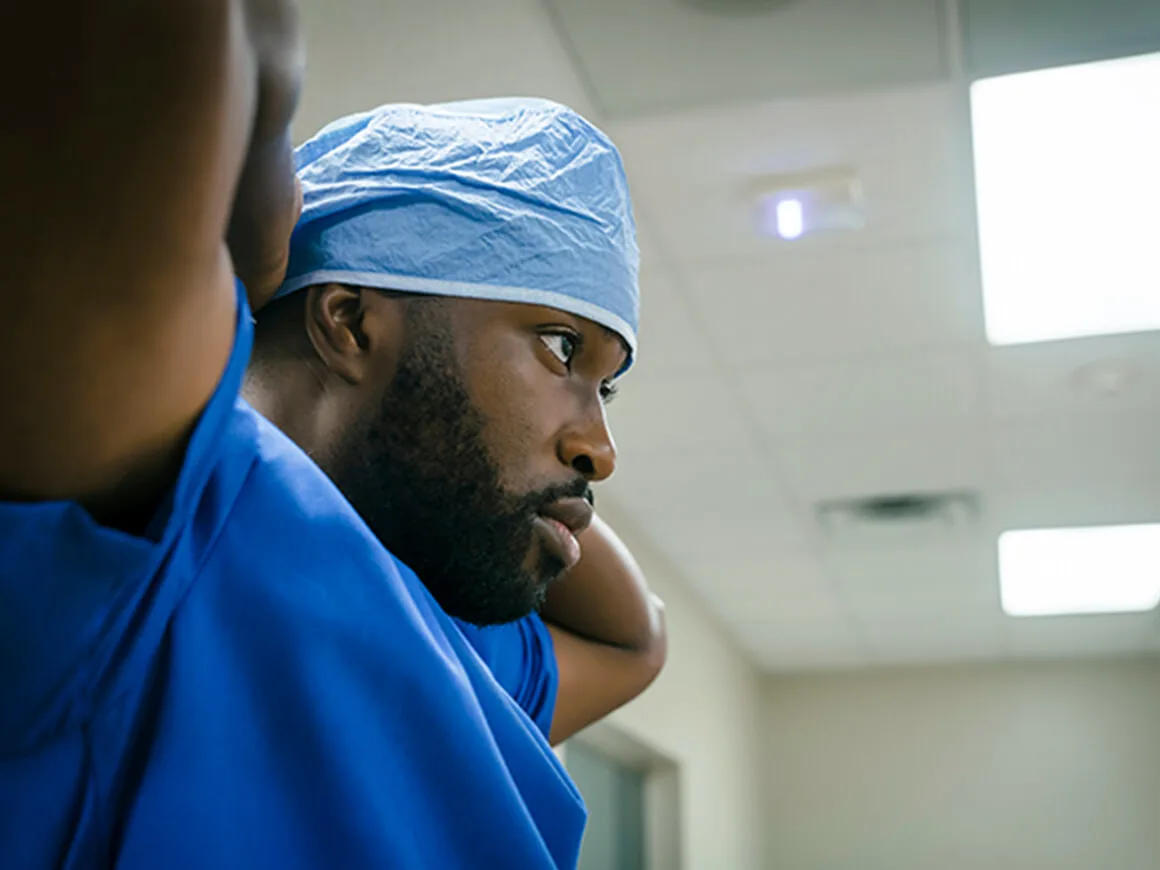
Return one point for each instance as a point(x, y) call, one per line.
point(1068, 193)
point(1098, 569)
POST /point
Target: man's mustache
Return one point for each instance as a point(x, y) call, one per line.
point(578, 488)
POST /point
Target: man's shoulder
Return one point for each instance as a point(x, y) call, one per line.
point(309, 669)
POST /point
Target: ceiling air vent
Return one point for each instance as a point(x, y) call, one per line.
point(898, 518)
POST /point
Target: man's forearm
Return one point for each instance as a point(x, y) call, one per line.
point(605, 598)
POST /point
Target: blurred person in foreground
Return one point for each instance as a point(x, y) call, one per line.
point(207, 658)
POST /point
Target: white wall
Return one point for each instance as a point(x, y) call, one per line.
point(1030, 767)
point(703, 713)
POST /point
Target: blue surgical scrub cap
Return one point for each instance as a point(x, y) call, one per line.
point(515, 200)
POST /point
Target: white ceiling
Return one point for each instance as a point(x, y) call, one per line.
point(772, 375)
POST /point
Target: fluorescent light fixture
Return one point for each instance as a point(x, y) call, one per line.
point(1100, 569)
point(1068, 183)
point(790, 221)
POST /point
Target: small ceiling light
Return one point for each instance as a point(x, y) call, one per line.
point(1099, 569)
point(793, 205)
point(789, 218)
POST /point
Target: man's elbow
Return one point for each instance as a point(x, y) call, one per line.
point(653, 653)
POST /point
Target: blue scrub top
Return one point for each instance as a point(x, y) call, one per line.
point(258, 683)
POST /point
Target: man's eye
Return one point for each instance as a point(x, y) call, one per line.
point(562, 346)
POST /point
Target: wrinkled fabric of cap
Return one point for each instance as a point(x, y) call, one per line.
point(515, 200)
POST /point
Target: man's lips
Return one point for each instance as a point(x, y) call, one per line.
point(559, 523)
point(575, 514)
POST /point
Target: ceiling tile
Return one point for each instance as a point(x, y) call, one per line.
point(917, 582)
point(754, 585)
point(866, 396)
point(940, 637)
point(926, 461)
point(800, 645)
point(672, 343)
point(694, 413)
point(1066, 503)
point(363, 53)
point(809, 306)
point(1077, 451)
point(1062, 377)
point(922, 604)
point(725, 530)
point(694, 477)
point(1003, 37)
point(1152, 637)
point(693, 175)
point(655, 55)
point(708, 502)
point(1067, 636)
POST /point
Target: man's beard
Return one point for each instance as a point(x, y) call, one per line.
point(423, 480)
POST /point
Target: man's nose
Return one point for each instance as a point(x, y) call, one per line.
point(588, 448)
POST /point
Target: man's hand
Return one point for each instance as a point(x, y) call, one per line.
point(269, 199)
point(608, 631)
point(265, 211)
point(156, 130)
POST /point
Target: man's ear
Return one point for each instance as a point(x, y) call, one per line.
point(334, 316)
point(354, 331)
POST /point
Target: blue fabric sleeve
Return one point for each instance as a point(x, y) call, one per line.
point(522, 659)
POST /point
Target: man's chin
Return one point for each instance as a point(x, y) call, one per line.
point(548, 567)
point(488, 594)
point(498, 605)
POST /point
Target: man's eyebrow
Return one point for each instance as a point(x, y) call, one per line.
point(610, 333)
point(617, 337)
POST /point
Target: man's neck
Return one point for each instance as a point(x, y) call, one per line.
point(276, 394)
